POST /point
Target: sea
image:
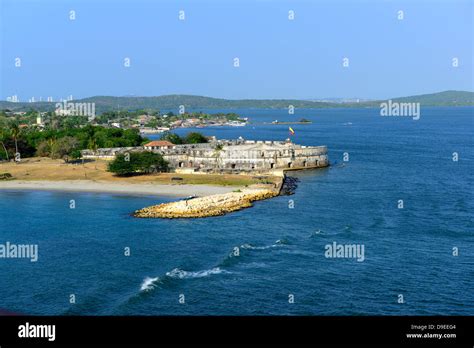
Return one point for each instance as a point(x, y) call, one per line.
point(398, 190)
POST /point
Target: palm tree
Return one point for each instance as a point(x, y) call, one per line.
point(93, 146)
point(15, 133)
point(3, 134)
point(217, 154)
point(51, 144)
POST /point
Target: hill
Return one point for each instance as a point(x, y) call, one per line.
point(191, 102)
point(446, 98)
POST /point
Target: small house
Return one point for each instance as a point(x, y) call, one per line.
point(159, 145)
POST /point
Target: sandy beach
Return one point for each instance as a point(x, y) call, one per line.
point(40, 173)
point(122, 188)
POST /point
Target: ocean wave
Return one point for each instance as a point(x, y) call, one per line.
point(278, 243)
point(252, 247)
point(282, 241)
point(178, 273)
point(149, 283)
point(315, 233)
point(345, 231)
point(236, 257)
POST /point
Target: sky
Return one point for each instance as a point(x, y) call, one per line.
point(279, 57)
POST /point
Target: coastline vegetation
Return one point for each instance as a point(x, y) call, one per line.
point(138, 163)
point(47, 169)
point(190, 138)
point(125, 119)
point(65, 141)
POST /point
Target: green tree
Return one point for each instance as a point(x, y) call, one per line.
point(15, 133)
point(195, 138)
point(43, 149)
point(51, 143)
point(172, 138)
point(76, 153)
point(217, 154)
point(3, 135)
point(137, 163)
point(64, 146)
point(24, 148)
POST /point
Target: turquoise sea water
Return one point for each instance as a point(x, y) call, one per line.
point(408, 251)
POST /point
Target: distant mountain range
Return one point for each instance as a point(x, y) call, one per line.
point(196, 103)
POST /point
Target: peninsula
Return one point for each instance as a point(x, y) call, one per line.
point(220, 176)
point(108, 153)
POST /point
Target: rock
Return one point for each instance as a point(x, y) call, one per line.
point(214, 205)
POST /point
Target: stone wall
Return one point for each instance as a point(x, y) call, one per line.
point(232, 156)
point(246, 157)
point(108, 153)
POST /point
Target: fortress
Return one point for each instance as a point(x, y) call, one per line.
point(238, 156)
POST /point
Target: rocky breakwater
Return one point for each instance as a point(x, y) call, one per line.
point(207, 206)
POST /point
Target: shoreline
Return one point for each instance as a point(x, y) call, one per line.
point(211, 205)
point(208, 206)
point(182, 190)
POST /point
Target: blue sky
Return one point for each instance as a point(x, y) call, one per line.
point(279, 58)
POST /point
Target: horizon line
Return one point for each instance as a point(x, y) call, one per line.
point(314, 99)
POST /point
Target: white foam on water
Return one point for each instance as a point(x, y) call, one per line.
point(278, 243)
point(181, 274)
point(315, 233)
point(149, 283)
point(281, 242)
point(251, 247)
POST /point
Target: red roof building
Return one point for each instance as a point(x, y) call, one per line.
point(158, 145)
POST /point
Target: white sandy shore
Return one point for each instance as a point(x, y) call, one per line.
point(123, 188)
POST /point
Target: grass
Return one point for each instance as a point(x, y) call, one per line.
point(40, 168)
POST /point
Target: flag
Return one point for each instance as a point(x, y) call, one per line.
point(292, 132)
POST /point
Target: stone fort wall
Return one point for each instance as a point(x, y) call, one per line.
point(233, 156)
point(251, 156)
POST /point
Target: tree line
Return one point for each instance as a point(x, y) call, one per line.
point(62, 143)
point(190, 138)
point(66, 143)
